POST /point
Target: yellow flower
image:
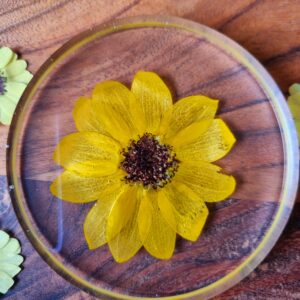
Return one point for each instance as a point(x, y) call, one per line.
point(13, 80)
point(147, 162)
point(9, 261)
point(294, 105)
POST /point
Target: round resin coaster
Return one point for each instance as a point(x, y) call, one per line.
point(192, 59)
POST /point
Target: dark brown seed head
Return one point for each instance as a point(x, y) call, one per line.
point(148, 162)
point(2, 85)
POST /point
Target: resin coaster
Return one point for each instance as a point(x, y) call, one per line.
point(192, 59)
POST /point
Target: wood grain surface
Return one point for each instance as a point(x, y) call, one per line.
point(268, 29)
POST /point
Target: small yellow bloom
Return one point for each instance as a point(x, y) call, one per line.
point(148, 164)
point(294, 105)
point(13, 80)
point(9, 261)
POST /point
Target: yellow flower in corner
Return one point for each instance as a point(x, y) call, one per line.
point(10, 259)
point(13, 80)
point(148, 164)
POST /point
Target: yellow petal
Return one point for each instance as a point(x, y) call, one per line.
point(7, 108)
point(145, 215)
point(24, 77)
point(10, 269)
point(189, 134)
point(10, 249)
point(294, 88)
point(294, 105)
point(4, 238)
point(127, 243)
point(14, 90)
point(205, 180)
point(122, 211)
point(96, 220)
point(13, 58)
point(160, 241)
point(297, 124)
point(6, 282)
point(111, 102)
point(88, 153)
point(5, 117)
point(155, 100)
point(190, 110)
point(15, 68)
point(6, 55)
point(72, 187)
point(215, 143)
point(184, 211)
point(14, 260)
point(85, 118)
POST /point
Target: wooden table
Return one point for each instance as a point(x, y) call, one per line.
point(268, 29)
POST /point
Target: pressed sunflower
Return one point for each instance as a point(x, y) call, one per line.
point(9, 261)
point(147, 163)
point(13, 80)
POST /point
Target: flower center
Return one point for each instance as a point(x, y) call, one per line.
point(2, 85)
point(149, 162)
